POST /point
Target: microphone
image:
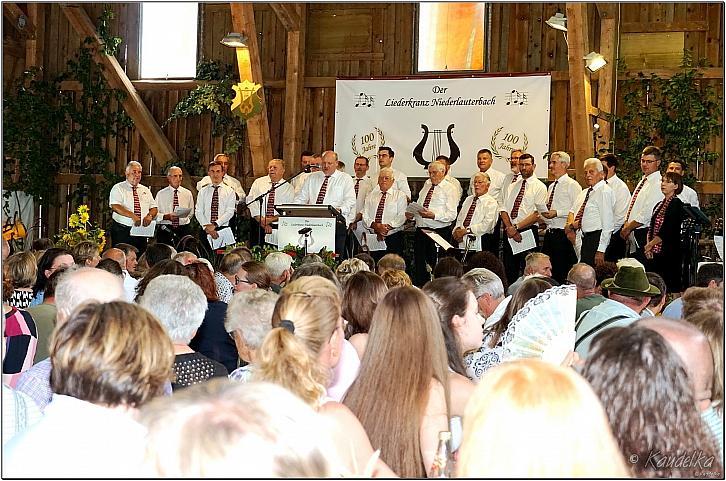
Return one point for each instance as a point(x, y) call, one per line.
point(305, 230)
point(310, 167)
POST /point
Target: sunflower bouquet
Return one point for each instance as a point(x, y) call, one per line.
point(80, 229)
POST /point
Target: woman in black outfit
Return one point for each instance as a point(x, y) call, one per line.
point(663, 249)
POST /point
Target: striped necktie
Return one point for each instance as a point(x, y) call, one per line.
point(323, 190)
point(174, 205)
point(552, 196)
point(635, 196)
point(357, 186)
point(427, 200)
point(271, 202)
point(137, 202)
point(379, 210)
point(214, 211)
point(470, 213)
point(581, 212)
point(518, 201)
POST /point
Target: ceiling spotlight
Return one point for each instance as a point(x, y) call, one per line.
point(558, 21)
point(234, 40)
point(594, 61)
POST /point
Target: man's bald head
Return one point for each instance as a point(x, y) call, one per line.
point(85, 284)
point(117, 255)
point(692, 347)
point(583, 277)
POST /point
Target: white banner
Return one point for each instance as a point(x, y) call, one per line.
point(420, 119)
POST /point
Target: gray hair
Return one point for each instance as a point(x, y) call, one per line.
point(562, 156)
point(483, 281)
point(437, 163)
point(387, 171)
point(250, 314)
point(78, 285)
point(483, 174)
point(179, 304)
point(583, 276)
point(277, 263)
point(185, 256)
point(133, 163)
point(593, 161)
point(173, 167)
point(349, 267)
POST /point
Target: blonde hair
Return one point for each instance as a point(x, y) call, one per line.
point(84, 251)
point(21, 269)
point(547, 422)
point(710, 323)
point(312, 305)
point(223, 429)
point(396, 278)
point(349, 267)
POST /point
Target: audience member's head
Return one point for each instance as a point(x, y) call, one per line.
point(158, 252)
point(52, 285)
point(244, 252)
point(132, 254)
point(315, 269)
point(549, 424)
point(279, 265)
point(457, 309)
point(487, 260)
point(185, 257)
point(305, 342)
point(710, 275)
point(117, 255)
point(166, 266)
point(487, 288)
point(249, 319)
point(361, 295)
point(41, 244)
point(109, 265)
point(349, 267)
point(448, 267)
point(112, 354)
point(396, 278)
point(390, 261)
point(53, 259)
point(21, 269)
point(221, 429)
point(655, 306)
point(200, 273)
point(178, 303)
point(254, 275)
point(537, 263)
point(368, 259)
point(630, 285)
point(310, 258)
point(584, 278)
point(78, 285)
point(603, 271)
point(85, 254)
point(647, 396)
point(710, 323)
point(696, 299)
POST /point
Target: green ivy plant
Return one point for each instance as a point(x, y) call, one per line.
point(214, 97)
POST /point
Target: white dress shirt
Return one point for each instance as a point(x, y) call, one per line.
point(535, 193)
point(443, 204)
point(485, 215)
point(365, 186)
point(401, 182)
point(622, 200)
point(505, 186)
point(298, 181)
point(646, 200)
point(598, 214)
point(227, 180)
point(129, 286)
point(165, 201)
point(225, 211)
point(496, 183)
point(455, 182)
point(123, 194)
point(566, 191)
point(339, 192)
point(394, 210)
point(284, 194)
point(689, 196)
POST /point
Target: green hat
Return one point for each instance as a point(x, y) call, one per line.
point(630, 281)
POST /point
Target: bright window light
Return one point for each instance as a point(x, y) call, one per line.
point(450, 36)
point(168, 40)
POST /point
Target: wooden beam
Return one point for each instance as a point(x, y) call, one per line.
point(708, 73)
point(34, 46)
point(607, 78)
point(19, 20)
point(580, 91)
point(116, 77)
point(709, 187)
point(258, 128)
point(288, 14)
point(607, 10)
point(660, 27)
point(294, 92)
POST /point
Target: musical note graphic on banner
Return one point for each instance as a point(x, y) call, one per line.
point(363, 100)
point(516, 97)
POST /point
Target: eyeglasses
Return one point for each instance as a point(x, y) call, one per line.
point(237, 280)
point(646, 161)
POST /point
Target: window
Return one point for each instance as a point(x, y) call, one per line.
point(168, 40)
point(450, 36)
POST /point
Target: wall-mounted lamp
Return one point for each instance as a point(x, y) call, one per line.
point(247, 102)
point(558, 21)
point(234, 40)
point(594, 61)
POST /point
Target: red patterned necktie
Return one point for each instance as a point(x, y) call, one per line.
point(515, 178)
point(581, 212)
point(379, 210)
point(137, 203)
point(323, 190)
point(635, 196)
point(271, 202)
point(552, 196)
point(357, 186)
point(174, 205)
point(518, 201)
point(215, 205)
point(470, 213)
point(659, 217)
point(427, 200)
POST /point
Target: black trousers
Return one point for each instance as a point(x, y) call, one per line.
point(394, 243)
point(641, 236)
point(562, 253)
point(616, 248)
point(514, 264)
point(590, 241)
point(490, 242)
point(424, 252)
point(167, 234)
point(121, 234)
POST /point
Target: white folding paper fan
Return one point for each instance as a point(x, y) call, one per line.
point(544, 328)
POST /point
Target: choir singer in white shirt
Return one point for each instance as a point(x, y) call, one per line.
point(478, 214)
point(284, 193)
point(384, 214)
point(171, 227)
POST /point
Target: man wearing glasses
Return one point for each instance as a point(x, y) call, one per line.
point(646, 195)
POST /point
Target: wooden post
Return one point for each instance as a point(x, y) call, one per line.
point(580, 91)
point(258, 128)
point(608, 74)
point(134, 105)
point(17, 18)
point(294, 92)
point(34, 46)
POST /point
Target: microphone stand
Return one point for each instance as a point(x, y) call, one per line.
point(260, 199)
point(469, 239)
